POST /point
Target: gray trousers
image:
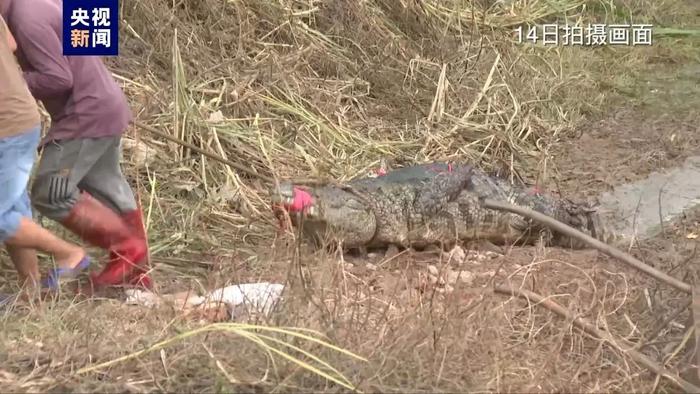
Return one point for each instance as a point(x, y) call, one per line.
point(69, 166)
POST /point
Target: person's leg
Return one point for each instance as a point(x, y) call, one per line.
point(26, 263)
point(56, 194)
point(29, 235)
point(107, 183)
point(25, 259)
point(17, 230)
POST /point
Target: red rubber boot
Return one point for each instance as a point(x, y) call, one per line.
point(99, 226)
point(139, 277)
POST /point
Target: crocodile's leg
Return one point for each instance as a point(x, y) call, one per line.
point(579, 216)
point(585, 218)
point(391, 251)
point(442, 189)
point(595, 228)
point(362, 252)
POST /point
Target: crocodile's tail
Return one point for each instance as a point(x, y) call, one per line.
point(580, 216)
point(590, 223)
point(588, 220)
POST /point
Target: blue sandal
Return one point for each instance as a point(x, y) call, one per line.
point(52, 282)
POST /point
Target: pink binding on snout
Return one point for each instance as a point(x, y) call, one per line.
point(302, 200)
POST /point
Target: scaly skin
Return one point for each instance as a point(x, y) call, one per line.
point(432, 203)
point(492, 225)
point(406, 205)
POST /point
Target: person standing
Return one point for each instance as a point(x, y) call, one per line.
point(20, 133)
point(79, 183)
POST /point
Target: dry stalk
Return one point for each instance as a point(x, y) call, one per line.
point(696, 327)
point(213, 156)
point(599, 334)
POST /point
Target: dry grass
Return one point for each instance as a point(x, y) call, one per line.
point(327, 88)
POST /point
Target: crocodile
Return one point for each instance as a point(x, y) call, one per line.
point(428, 204)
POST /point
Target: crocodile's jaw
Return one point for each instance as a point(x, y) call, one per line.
point(291, 197)
point(291, 200)
point(333, 215)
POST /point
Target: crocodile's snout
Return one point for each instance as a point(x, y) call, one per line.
point(301, 201)
point(282, 194)
point(289, 199)
point(292, 199)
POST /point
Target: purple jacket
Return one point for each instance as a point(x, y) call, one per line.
point(79, 92)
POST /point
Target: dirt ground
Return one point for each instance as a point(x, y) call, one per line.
point(624, 147)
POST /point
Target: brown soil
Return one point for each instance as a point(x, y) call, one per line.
point(622, 148)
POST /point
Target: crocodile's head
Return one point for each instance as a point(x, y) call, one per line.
point(324, 208)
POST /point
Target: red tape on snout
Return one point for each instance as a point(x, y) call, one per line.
point(302, 201)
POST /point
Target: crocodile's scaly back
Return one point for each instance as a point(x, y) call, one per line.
point(443, 188)
point(403, 200)
point(419, 172)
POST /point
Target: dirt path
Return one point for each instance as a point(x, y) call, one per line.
point(657, 131)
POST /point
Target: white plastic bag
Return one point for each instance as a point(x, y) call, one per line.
point(255, 297)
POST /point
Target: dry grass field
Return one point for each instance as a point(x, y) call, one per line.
point(325, 89)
